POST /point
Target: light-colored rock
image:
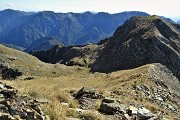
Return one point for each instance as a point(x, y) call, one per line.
point(133, 110)
point(109, 100)
point(144, 114)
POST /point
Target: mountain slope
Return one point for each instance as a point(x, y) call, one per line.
point(72, 28)
point(15, 63)
point(70, 55)
point(43, 43)
point(12, 18)
point(141, 40)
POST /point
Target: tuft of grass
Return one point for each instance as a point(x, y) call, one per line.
point(97, 105)
point(89, 116)
point(151, 107)
point(72, 113)
point(33, 94)
point(54, 110)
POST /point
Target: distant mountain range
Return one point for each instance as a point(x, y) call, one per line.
point(22, 28)
point(43, 43)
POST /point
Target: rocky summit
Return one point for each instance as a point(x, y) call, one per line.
point(140, 41)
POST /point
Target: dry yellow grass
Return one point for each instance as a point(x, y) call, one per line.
point(58, 89)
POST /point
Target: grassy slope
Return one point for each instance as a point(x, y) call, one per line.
point(57, 82)
point(117, 84)
point(31, 66)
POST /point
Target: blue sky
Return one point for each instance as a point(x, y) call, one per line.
point(167, 8)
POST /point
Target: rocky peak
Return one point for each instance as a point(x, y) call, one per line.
point(141, 40)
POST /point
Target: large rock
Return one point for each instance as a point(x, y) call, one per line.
point(144, 114)
point(87, 98)
point(110, 106)
point(87, 92)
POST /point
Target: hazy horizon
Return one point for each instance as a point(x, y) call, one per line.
point(166, 8)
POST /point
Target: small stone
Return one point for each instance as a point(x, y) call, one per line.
point(1, 96)
point(132, 110)
point(42, 100)
point(2, 86)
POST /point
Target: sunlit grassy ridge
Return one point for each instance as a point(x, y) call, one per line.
point(31, 66)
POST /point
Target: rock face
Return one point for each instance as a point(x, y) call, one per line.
point(141, 40)
point(13, 106)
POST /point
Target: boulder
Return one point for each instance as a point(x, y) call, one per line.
point(87, 98)
point(84, 92)
point(144, 114)
point(110, 106)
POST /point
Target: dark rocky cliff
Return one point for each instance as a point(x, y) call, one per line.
point(141, 40)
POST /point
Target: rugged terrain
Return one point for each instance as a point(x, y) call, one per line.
point(140, 41)
point(140, 80)
point(70, 55)
point(150, 91)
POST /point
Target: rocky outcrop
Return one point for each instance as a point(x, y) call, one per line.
point(167, 88)
point(111, 106)
point(8, 73)
point(87, 97)
point(141, 40)
point(14, 107)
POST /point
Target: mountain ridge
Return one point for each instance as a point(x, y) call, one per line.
point(140, 41)
point(71, 28)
